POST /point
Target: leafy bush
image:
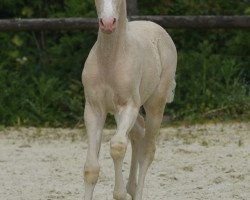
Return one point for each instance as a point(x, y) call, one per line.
point(213, 84)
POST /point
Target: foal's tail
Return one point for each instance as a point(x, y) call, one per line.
point(171, 91)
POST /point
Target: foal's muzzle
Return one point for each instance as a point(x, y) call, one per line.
point(107, 25)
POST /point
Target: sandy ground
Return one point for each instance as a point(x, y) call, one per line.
point(192, 162)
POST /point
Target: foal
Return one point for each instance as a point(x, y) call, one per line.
point(132, 64)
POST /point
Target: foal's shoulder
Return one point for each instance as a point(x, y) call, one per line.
point(90, 71)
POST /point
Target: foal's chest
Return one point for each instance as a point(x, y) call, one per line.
point(116, 94)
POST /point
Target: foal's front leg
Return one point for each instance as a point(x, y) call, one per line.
point(94, 121)
point(125, 120)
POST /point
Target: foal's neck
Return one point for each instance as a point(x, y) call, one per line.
point(109, 45)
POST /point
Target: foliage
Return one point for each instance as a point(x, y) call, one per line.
point(40, 72)
point(213, 84)
point(194, 7)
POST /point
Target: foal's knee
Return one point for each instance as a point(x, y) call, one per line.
point(118, 146)
point(91, 173)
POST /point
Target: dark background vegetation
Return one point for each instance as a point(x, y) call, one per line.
point(40, 72)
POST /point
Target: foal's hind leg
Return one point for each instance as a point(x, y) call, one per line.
point(136, 135)
point(154, 108)
point(147, 149)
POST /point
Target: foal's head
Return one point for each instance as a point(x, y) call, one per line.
point(108, 14)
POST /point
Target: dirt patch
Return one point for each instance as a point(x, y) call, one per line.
point(192, 162)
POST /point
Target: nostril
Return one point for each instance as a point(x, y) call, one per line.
point(101, 22)
point(114, 21)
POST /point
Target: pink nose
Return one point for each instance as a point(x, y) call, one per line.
point(107, 25)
